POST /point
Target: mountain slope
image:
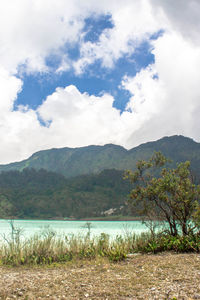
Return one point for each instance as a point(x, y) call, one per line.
point(71, 162)
point(44, 194)
point(36, 187)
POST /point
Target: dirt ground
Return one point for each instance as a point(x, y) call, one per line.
point(161, 276)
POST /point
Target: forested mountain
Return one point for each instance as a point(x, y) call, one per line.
point(81, 182)
point(93, 159)
point(44, 194)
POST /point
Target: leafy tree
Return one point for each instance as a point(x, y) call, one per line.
point(166, 194)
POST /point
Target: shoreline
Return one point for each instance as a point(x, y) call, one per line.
point(110, 218)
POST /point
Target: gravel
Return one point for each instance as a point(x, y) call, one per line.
point(161, 276)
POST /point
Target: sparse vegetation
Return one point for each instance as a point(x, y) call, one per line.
point(47, 248)
point(154, 277)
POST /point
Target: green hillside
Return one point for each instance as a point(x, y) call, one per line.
point(93, 159)
point(81, 182)
point(44, 194)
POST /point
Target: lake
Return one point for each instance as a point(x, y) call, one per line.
point(113, 228)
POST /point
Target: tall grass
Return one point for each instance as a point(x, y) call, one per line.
point(48, 248)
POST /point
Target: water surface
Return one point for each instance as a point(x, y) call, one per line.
point(113, 228)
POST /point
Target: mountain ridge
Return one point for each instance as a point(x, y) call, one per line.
point(72, 162)
point(94, 183)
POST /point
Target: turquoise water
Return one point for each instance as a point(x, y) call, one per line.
point(113, 228)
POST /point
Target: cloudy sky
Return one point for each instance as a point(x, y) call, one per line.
point(74, 73)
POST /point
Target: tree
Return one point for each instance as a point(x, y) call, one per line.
point(166, 194)
point(6, 208)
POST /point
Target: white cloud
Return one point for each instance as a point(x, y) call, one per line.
point(30, 30)
point(75, 120)
point(79, 119)
point(183, 15)
point(10, 86)
point(165, 95)
point(133, 23)
point(167, 105)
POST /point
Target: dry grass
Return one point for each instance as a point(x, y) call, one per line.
point(162, 276)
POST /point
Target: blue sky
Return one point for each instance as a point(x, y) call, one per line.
point(96, 80)
point(76, 73)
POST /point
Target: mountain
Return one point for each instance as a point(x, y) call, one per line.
point(43, 194)
point(72, 162)
point(81, 182)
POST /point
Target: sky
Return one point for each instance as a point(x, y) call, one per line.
point(76, 73)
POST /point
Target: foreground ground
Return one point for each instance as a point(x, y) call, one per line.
point(163, 276)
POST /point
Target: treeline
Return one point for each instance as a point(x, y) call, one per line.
point(43, 194)
point(93, 159)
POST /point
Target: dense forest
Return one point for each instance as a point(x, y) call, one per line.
point(82, 182)
point(43, 194)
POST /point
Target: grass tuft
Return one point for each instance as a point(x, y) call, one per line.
point(47, 248)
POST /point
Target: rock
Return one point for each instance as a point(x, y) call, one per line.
point(131, 255)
